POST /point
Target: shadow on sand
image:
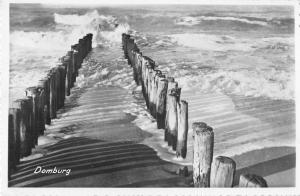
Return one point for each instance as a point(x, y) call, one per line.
point(85, 157)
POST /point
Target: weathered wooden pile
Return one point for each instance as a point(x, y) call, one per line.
point(162, 97)
point(29, 115)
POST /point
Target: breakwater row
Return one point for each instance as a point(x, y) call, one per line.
point(29, 115)
point(162, 97)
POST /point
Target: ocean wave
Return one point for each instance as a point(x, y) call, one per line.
point(190, 20)
point(38, 51)
point(274, 84)
point(86, 19)
point(104, 28)
point(212, 42)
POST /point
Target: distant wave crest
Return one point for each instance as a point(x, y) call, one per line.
point(190, 20)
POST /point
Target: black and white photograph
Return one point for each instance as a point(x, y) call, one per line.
point(150, 95)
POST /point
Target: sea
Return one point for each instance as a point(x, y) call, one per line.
point(241, 56)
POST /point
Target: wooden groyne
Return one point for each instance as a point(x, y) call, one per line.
point(162, 97)
point(29, 115)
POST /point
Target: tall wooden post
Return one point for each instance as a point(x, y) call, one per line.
point(182, 113)
point(172, 119)
point(71, 66)
point(149, 71)
point(26, 136)
point(157, 74)
point(197, 125)
point(52, 77)
point(161, 102)
point(61, 85)
point(143, 76)
point(14, 139)
point(252, 180)
point(76, 58)
point(80, 51)
point(171, 86)
point(139, 67)
point(203, 154)
point(45, 83)
point(150, 78)
point(222, 172)
point(41, 107)
point(35, 129)
point(66, 63)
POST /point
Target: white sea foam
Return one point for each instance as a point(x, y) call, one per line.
point(86, 19)
point(241, 76)
point(275, 84)
point(212, 42)
point(37, 52)
point(190, 20)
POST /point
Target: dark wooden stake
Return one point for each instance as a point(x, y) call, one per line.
point(182, 113)
point(203, 154)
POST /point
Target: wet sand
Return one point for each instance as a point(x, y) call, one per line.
point(108, 139)
point(97, 140)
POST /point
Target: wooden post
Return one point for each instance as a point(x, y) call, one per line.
point(90, 41)
point(41, 108)
point(57, 78)
point(80, 50)
point(182, 114)
point(134, 67)
point(45, 83)
point(14, 139)
point(161, 102)
point(66, 62)
point(222, 172)
point(150, 77)
point(125, 45)
point(143, 75)
point(61, 85)
point(35, 129)
point(203, 154)
point(73, 64)
point(153, 96)
point(145, 82)
point(171, 85)
point(139, 68)
point(170, 79)
point(149, 71)
point(196, 125)
point(172, 119)
point(52, 77)
point(26, 139)
point(130, 45)
point(252, 180)
point(84, 47)
point(76, 59)
point(70, 71)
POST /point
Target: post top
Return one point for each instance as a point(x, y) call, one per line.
point(199, 125)
point(172, 85)
point(170, 79)
point(183, 102)
point(225, 160)
point(203, 131)
point(157, 71)
point(175, 92)
point(30, 91)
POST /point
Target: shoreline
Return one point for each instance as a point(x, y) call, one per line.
point(263, 154)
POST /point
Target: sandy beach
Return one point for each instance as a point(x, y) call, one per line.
point(105, 143)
